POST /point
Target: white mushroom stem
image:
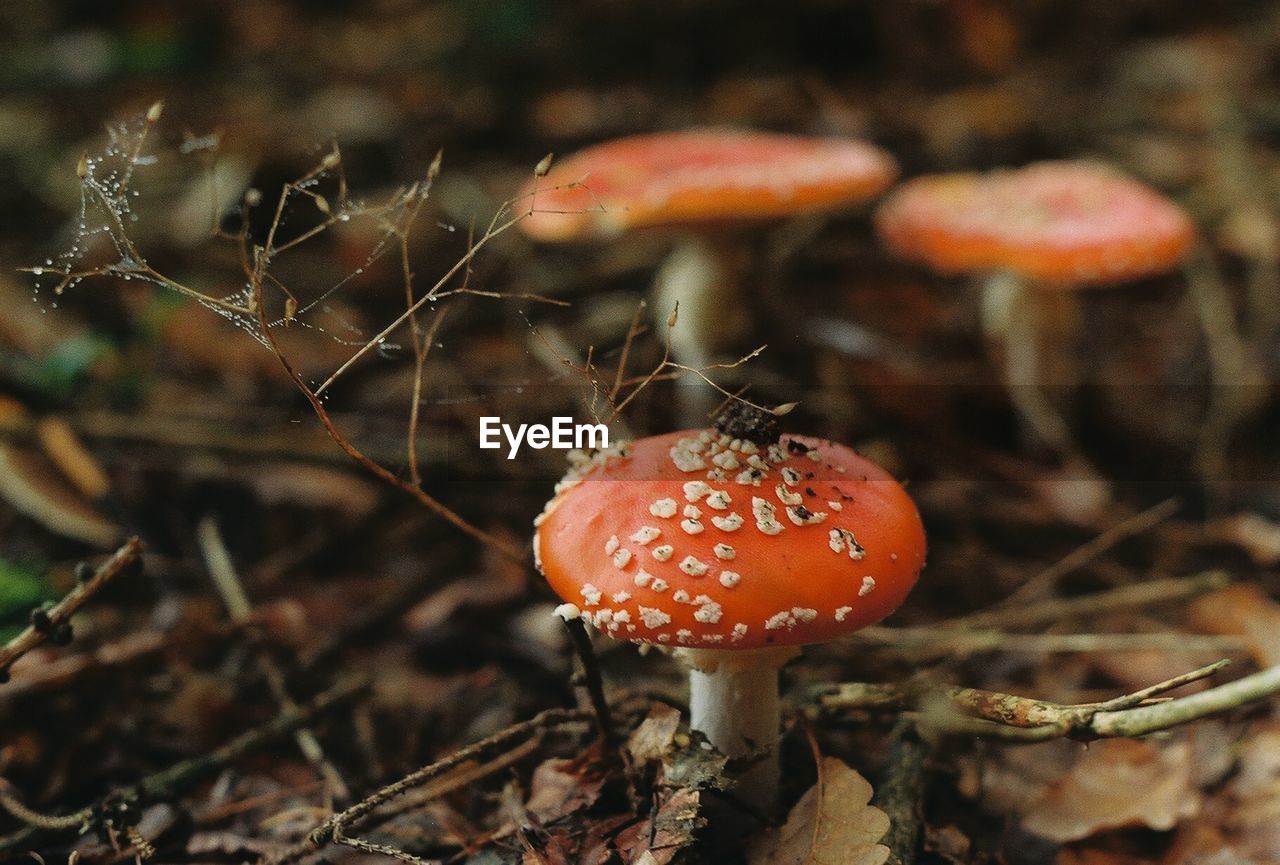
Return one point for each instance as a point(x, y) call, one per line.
point(1034, 327)
point(1031, 330)
point(700, 276)
point(733, 701)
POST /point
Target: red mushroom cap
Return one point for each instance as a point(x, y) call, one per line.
point(1059, 223)
point(701, 175)
point(693, 539)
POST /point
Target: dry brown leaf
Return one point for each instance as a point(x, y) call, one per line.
point(670, 830)
point(68, 453)
point(1009, 778)
point(33, 486)
point(693, 763)
point(1252, 819)
point(832, 824)
point(1115, 783)
point(1242, 610)
point(655, 735)
point(1259, 756)
point(560, 787)
point(1201, 844)
point(1240, 823)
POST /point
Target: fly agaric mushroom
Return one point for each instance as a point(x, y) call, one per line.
point(1038, 233)
point(700, 181)
point(732, 551)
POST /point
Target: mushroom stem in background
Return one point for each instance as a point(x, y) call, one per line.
point(1038, 233)
point(1032, 328)
point(702, 183)
point(699, 277)
point(733, 701)
point(1029, 328)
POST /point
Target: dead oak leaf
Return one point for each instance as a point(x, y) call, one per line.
point(1243, 610)
point(832, 824)
point(1116, 783)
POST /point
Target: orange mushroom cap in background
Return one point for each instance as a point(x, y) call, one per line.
point(701, 175)
point(1057, 223)
point(693, 539)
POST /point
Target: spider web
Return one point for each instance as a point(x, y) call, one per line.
point(112, 185)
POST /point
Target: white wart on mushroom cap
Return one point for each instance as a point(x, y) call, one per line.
point(699, 540)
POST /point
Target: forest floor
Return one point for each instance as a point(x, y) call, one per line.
point(301, 624)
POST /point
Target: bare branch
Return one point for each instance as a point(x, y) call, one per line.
point(332, 829)
point(374, 468)
point(60, 613)
point(970, 711)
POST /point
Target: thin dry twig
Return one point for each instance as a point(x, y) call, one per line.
point(463, 776)
point(1044, 582)
point(633, 332)
point(560, 354)
point(557, 353)
point(332, 830)
point(1141, 720)
point(1144, 594)
point(376, 469)
point(925, 643)
point(60, 613)
point(421, 348)
point(433, 295)
point(256, 271)
point(592, 681)
point(421, 343)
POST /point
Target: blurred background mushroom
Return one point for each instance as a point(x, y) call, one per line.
point(706, 186)
point(1038, 236)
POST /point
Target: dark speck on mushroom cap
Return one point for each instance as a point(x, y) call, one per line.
point(701, 540)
